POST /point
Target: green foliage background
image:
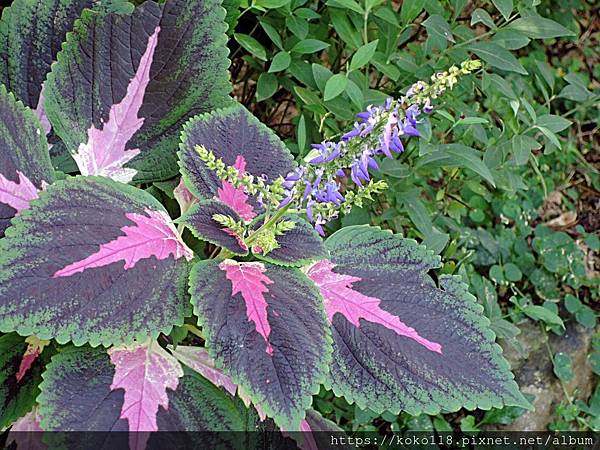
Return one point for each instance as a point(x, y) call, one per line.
point(504, 184)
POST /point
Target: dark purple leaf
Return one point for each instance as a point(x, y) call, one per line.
point(265, 327)
point(114, 102)
point(93, 260)
point(230, 133)
point(31, 33)
point(400, 342)
point(199, 218)
point(24, 161)
point(297, 247)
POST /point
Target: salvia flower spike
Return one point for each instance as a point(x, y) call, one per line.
point(315, 186)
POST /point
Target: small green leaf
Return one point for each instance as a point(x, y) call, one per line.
point(522, 145)
point(272, 33)
point(563, 366)
point(335, 86)
point(270, 4)
point(266, 86)
point(321, 74)
point(301, 133)
point(251, 45)
point(438, 26)
point(550, 135)
point(410, 10)
point(504, 6)
point(482, 16)
point(556, 124)
point(363, 55)
point(512, 272)
point(538, 27)
point(471, 121)
point(537, 312)
point(309, 46)
point(281, 61)
point(497, 56)
point(586, 317)
point(355, 94)
point(348, 4)
point(510, 39)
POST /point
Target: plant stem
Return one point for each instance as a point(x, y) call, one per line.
point(278, 215)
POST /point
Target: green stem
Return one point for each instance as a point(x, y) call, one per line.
point(195, 331)
point(278, 215)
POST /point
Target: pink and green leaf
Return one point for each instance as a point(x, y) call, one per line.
point(93, 260)
point(105, 153)
point(17, 393)
point(109, 99)
point(199, 219)
point(144, 372)
point(25, 165)
point(86, 389)
point(236, 136)
point(401, 342)
point(264, 326)
point(198, 359)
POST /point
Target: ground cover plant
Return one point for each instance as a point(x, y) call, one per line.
point(176, 255)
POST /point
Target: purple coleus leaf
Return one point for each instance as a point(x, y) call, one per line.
point(144, 372)
point(237, 197)
point(249, 280)
point(153, 235)
point(124, 84)
point(237, 137)
point(240, 140)
point(265, 328)
point(141, 387)
point(401, 342)
point(26, 432)
point(29, 45)
point(25, 166)
point(105, 151)
point(198, 359)
point(339, 297)
point(99, 262)
point(199, 219)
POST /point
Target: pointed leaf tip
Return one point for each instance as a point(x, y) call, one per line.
point(105, 152)
point(249, 280)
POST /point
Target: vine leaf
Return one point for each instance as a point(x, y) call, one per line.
point(93, 261)
point(144, 372)
point(401, 342)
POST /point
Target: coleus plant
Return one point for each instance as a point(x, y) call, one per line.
point(97, 282)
